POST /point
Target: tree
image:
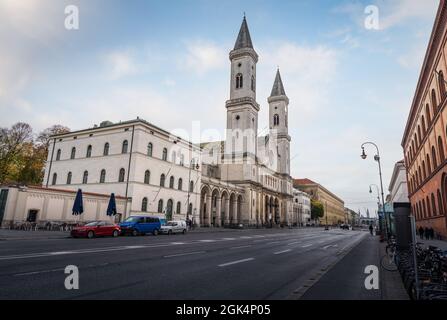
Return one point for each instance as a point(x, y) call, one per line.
point(316, 210)
point(44, 136)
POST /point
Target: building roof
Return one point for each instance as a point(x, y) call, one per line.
point(278, 87)
point(307, 182)
point(303, 181)
point(243, 39)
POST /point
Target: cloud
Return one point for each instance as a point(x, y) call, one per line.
point(121, 64)
point(203, 56)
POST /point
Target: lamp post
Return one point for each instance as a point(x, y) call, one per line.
point(378, 197)
point(191, 166)
point(377, 158)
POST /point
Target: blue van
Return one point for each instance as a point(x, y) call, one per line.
point(140, 225)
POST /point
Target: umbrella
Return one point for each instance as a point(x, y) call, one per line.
point(78, 207)
point(111, 209)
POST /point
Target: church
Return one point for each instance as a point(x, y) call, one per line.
point(244, 180)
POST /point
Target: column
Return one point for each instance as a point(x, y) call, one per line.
point(227, 210)
point(208, 211)
point(218, 211)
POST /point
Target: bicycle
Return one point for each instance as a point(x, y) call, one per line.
point(389, 260)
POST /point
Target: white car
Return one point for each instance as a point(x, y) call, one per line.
point(172, 227)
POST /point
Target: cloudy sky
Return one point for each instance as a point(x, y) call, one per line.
point(167, 62)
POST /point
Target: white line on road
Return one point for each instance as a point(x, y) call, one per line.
point(177, 243)
point(228, 238)
point(284, 251)
point(306, 245)
point(292, 243)
point(329, 246)
point(240, 247)
point(37, 272)
point(183, 254)
point(245, 237)
point(207, 240)
point(235, 262)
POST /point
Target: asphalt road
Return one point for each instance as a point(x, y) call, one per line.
point(248, 264)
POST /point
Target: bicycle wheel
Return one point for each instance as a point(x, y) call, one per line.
point(388, 263)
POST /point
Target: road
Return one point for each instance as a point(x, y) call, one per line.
point(239, 264)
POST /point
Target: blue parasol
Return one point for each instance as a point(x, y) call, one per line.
point(111, 209)
point(78, 207)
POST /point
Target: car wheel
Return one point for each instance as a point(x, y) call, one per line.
point(90, 234)
point(155, 233)
point(134, 232)
point(115, 233)
point(184, 231)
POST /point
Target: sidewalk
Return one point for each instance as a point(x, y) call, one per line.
point(6, 234)
point(346, 280)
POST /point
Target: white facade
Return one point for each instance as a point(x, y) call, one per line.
point(398, 185)
point(301, 207)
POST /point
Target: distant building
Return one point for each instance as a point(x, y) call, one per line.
point(334, 207)
point(301, 208)
point(398, 185)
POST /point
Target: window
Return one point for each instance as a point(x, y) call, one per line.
point(174, 157)
point(69, 178)
point(252, 83)
point(424, 129)
point(190, 208)
point(73, 153)
point(89, 152)
point(182, 159)
point(440, 207)
point(165, 154)
point(125, 146)
point(433, 155)
point(428, 164)
point(441, 83)
point(85, 177)
point(121, 175)
point(144, 205)
point(434, 102)
point(58, 155)
point(427, 203)
point(179, 207)
point(102, 178)
point(54, 179)
point(419, 133)
point(171, 182)
point(424, 171)
point(180, 184)
point(433, 204)
point(160, 206)
point(106, 149)
point(149, 149)
point(147, 177)
point(239, 81)
point(162, 180)
point(427, 114)
point(276, 120)
point(191, 186)
point(441, 150)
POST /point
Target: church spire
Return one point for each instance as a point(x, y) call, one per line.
point(278, 87)
point(243, 39)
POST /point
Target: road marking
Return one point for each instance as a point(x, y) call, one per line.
point(235, 262)
point(183, 254)
point(274, 242)
point(207, 240)
point(240, 247)
point(245, 237)
point(292, 243)
point(261, 240)
point(229, 239)
point(134, 247)
point(284, 251)
point(37, 272)
point(329, 246)
point(306, 245)
point(177, 243)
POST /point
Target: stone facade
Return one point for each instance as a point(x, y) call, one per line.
point(301, 208)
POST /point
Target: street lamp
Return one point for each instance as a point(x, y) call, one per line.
point(377, 158)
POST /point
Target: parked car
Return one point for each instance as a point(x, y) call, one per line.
point(96, 229)
point(174, 227)
point(141, 225)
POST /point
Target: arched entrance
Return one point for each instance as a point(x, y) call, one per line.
point(276, 208)
point(169, 210)
point(225, 214)
point(239, 209)
point(233, 218)
point(215, 200)
point(205, 206)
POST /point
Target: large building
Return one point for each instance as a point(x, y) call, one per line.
point(301, 208)
point(334, 207)
point(398, 184)
point(242, 180)
point(424, 139)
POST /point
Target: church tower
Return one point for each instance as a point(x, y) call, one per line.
point(242, 108)
point(279, 127)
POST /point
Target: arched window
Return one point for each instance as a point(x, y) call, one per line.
point(441, 83)
point(162, 180)
point(416, 141)
point(69, 178)
point(433, 204)
point(424, 128)
point(424, 209)
point(147, 177)
point(125, 146)
point(174, 157)
point(165, 154)
point(180, 184)
point(420, 174)
point(191, 186)
point(182, 159)
point(144, 204)
point(54, 179)
point(428, 164)
point(276, 120)
point(160, 206)
point(190, 208)
point(424, 171)
point(106, 149)
point(73, 153)
point(239, 81)
point(58, 155)
point(252, 83)
point(102, 178)
point(434, 102)
point(441, 150)
point(179, 207)
point(440, 207)
point(85, 177)
point(433, 156)
point(121, 175)
point(427, 203)
point(149, 149)
point(171, 182)
point(89, 152)
point(427, 114)
point(419, 134)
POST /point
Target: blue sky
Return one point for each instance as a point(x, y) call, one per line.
point(167, 62)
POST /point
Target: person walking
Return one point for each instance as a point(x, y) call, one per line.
point(432, 233)
point(371, 229)
point(427, 233)
point(421, 233)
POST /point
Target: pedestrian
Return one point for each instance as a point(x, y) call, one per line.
point(432, 233)
point(427, 233)
point(371, 229)
point(421, 233)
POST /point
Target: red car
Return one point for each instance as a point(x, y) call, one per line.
point(96, 229)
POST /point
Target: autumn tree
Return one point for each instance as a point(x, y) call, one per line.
point(316, 209)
